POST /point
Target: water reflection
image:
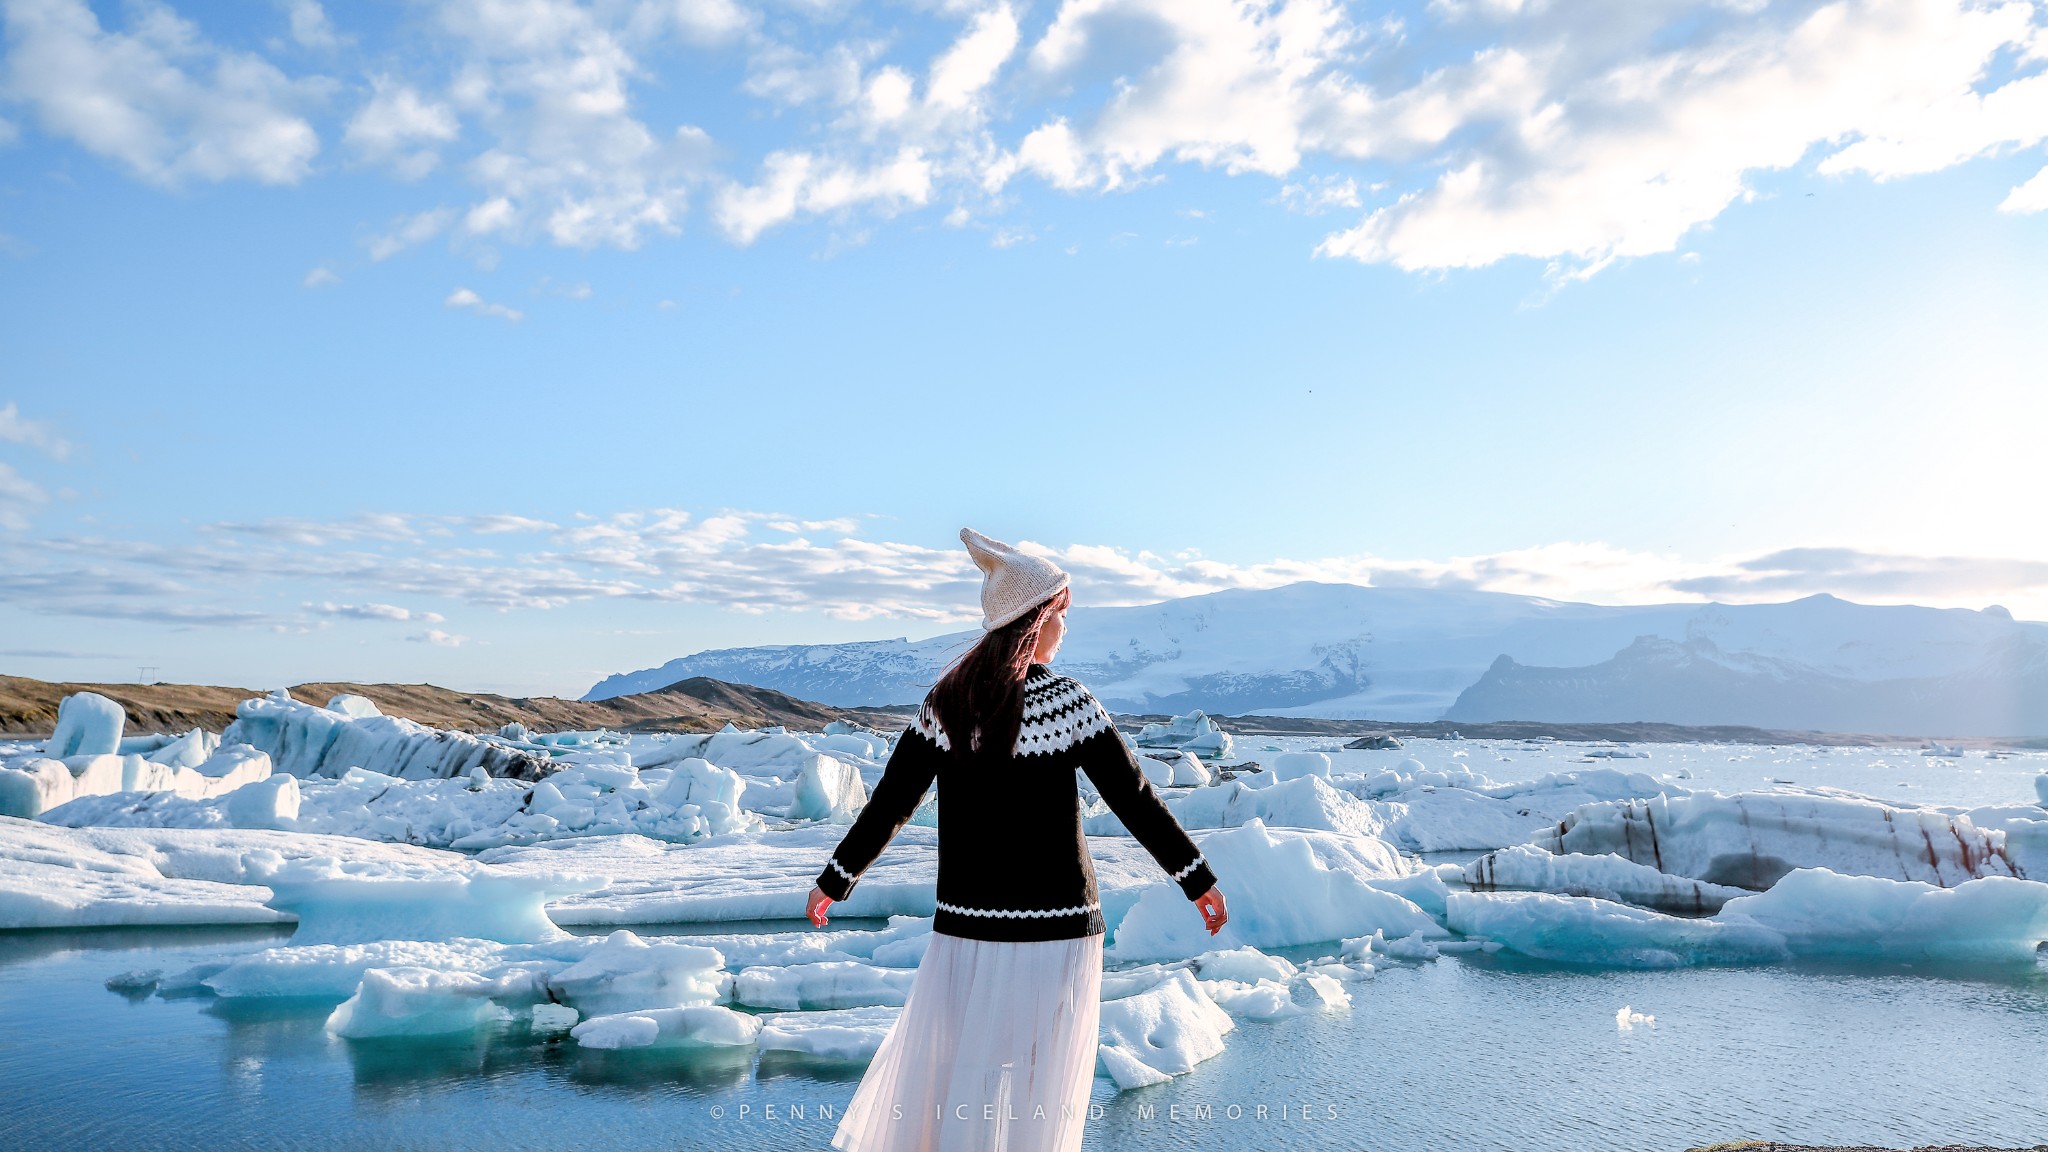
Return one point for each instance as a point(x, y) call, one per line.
point(1472, 1052)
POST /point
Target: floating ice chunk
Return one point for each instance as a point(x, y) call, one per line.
point(1175, 768)
point(338, 903)
point(28, 790)
point(1195, 732)
point(1610, 877)
point(135, 981)
point(1751, 839)
point(88, 724)
point(409, 1002)
point(1584, 930)
point(307, 741)
point(2041, 788)
point(828, 789)
point(1328, 992)
point(333, 971)
point(826, 984)
point(1306, 802)
point(552, 1019)
point(842, 1034)
point(762, 753)
point(1282, 892)
point(1256, 1000)
point(271, 803)
point(187, 751)
point(1295, 765)
point(1626, 1018)
point(861, 744)
point(626, 973)
point(1168, 1030)
point(699, 1025)
point(101, 877)
point(1246, 964)
point(353, 706)
point(1819, 913)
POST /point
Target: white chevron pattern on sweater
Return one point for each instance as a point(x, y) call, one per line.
point(1058, 714)
point(1018, 914)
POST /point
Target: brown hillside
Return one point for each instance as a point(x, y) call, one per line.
point(29, 707)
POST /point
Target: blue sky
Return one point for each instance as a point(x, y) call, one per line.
point(509, 343)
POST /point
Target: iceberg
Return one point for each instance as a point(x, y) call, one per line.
point(822, 984)
point(1810, 913)
point(1285, 887)
point(1609, 876)
point(414, 1002)
point(88, 724)
point(840, 1034)
point(1194, 732)
point(307, 741)
point(1305, 802)
point(340, 903)
point(626, 973)
point(695, 1026)
point(1751, 839)
point(1152, 1036)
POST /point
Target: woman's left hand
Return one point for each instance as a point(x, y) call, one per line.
point(1214, 914)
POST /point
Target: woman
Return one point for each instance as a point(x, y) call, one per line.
point(995, 1049)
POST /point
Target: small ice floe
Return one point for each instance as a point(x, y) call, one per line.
point(1628, 1018)
point(553, 1019)
point(1937, 748)
point(135, 983)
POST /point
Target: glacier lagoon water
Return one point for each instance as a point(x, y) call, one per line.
point(1462, 1053)
point(1470, 1052)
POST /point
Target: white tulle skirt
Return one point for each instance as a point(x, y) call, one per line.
point(994, 1052)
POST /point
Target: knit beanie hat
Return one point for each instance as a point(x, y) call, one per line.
point(1012, 583)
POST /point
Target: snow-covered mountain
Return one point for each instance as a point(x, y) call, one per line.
point(1344, 651)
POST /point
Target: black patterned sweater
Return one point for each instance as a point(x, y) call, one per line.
point(1013, 861)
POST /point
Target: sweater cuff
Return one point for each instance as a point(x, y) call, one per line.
point(835, 881)
point(1195, 879)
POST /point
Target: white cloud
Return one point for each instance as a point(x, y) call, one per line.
point(1585, 162)
point(550, 81)
point(310, 28)
point(1232, 88)
point(17, 495)
point(158, 97)
point(438, 638)
point(398, 127)
point(18, 429)
point(470, 301)
point(1570, 134)
point(320, 277)
point(375, 612)
point(748, 562)
point(794, 183)
point(2031, 196)
point(410, 231)
point(9, 134)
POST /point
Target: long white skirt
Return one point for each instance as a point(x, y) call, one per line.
point(994, 1052)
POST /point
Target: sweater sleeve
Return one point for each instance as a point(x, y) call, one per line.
point(1116, 774)
point(911, 768)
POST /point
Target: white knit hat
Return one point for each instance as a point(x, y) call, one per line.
point(1012, 583)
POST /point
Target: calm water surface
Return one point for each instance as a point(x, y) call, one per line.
point(1460, 1054)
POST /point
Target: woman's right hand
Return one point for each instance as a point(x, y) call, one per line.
point(1214, 914)
point(816, 905)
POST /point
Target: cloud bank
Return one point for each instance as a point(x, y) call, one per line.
point(1444, 135)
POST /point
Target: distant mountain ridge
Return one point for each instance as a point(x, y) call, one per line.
point(1414, 654)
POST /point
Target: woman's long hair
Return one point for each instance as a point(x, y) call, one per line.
point(979, 702)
